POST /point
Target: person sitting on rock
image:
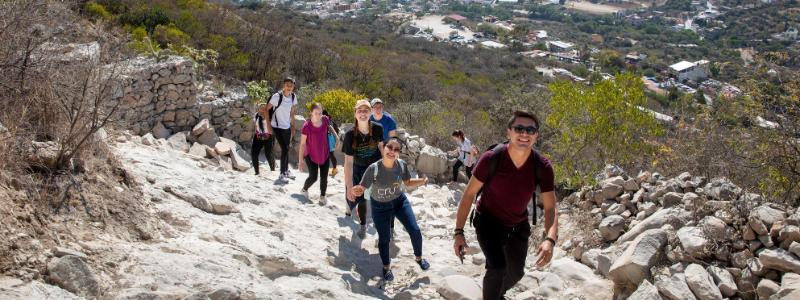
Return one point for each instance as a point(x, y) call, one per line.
point(314, 151)
point(386, 180)
point(466, 154)
point(507, 176)
point(260, 138)
point(361, 146)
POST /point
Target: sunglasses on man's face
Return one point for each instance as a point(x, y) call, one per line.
point(527, 129)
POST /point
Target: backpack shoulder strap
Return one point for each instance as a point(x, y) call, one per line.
point(493, 161)
point(537, 174)
point(375, 171)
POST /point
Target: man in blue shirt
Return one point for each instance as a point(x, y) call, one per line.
point(383, 118)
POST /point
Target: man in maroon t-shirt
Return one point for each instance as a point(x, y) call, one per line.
point(501, 218)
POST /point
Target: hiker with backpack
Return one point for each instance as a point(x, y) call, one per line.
point(385, 119)
point(506, 177)
point(466, 154)
point(385, 183)
point(362, 147)
point(314, 150)
point(333, 140)
point(282, 108)
point(260, 138)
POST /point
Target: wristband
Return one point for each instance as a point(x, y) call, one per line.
point(458, 232)
point(551, 240)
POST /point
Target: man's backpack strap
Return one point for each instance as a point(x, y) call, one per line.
point(496, 149)
point(537, 174)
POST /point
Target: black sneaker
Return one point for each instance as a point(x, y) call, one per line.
point(387, 275)
point(423, 263)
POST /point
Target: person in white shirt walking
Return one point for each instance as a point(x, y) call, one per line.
point(282, 108)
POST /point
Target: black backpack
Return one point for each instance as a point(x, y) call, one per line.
point(496, 150)
point(280, 101)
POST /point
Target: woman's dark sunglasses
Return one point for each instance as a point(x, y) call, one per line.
point(529, 129)
point(393, 149)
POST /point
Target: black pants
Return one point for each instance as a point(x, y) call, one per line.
point(313, 170)
point(361, 202)
point(458, 166)
point(505, 249)
point(283, 136)
point(333, 159)
point(256, 150)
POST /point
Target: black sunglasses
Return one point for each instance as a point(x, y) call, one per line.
point(529, 129)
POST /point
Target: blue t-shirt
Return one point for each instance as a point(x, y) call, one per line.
point(387, 122)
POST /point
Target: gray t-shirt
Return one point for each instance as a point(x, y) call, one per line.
point(388, 185)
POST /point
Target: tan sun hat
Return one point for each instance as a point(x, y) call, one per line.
point(363, 102)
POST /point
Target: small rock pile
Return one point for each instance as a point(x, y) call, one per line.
point(427, 160)
point(201, 142)
point(690, 238)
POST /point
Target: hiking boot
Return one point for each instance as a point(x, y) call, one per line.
point(423, 263)
point(323, 200)
point(362, 232)
point(387, 275)
point(334, 171)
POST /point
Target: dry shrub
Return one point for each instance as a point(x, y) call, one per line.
point(51, 91)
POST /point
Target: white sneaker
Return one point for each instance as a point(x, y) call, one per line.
point(289, 175)
point(283, 179)
point(323, 200)
point(305, 194)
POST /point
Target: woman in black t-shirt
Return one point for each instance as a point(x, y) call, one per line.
point(361, 147)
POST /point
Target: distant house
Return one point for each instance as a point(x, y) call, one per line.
point(507, 1)
point(597, 39)
point(634, 58)
point(690, 71)
point(790, 34)
point(559, 46)
point(455, 18)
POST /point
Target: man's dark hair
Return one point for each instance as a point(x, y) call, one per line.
point(522, 114)
point(458, 133)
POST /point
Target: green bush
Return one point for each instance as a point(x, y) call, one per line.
point(169, 34)
point(339, 103)
point(258, 91)
point(97, 11)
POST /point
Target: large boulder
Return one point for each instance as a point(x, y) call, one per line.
point(701, 283)
point(634, 264)
point(198, 150)
point(178, 142)
point(724, 280)
point(671, 199)
point(790, 288)
point(611, 227)
point(73, 274)
point(779, 259)
point(208, 138)
point(201, 127)
point(646, 291)
point(239, 161)
point(674, 287)
point(431, 161)
point(722, 189)
point(768, 215)
point(674, 216)
point(161, 132)
point(459, 287)
point(612, 187)
point(694, 241)
point(766, 288)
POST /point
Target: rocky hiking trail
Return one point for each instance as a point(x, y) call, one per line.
point(224, 233)
point(227, 234)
